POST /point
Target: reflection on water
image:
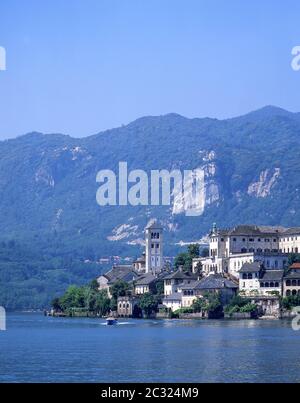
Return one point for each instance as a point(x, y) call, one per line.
point(38, 348)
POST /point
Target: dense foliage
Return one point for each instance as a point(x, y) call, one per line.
point(119, 289)
point(290, 301)
point(148, 303)
point(86, 298)
point(30, 279)
point(240, 304)
point(210, 303)
point(184, 259)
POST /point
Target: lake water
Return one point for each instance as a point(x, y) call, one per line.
point(35, 348)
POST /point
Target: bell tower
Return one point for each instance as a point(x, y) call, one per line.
point(154, 248)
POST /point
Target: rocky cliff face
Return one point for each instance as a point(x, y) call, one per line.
point(251, 175)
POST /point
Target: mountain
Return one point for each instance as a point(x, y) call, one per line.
point(48, 188)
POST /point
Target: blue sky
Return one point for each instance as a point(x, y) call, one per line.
point(79, 67)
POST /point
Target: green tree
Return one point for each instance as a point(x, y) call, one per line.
point(119, 289)
point(148, 303)
point(180, 260)
point(210, 302)
point(185, 259)
point(102, 303)
point(73, 298)
point(193, 250)
point(159, 287)
point(290, 301)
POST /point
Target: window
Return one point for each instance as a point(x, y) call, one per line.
point(288, 283)
point(157, 245)
point(258, 239)
point(244, 240)
point(222, 239)
point(266, 284)
point(234, 239)
point(274, 240)
point(157, 235)
point(294, 282)
point(262, 285)
point(249, 276)
point(244, 276)
point(294, 292)
point(251, 239)
point(271, 284)
point(243, 250)
point(276, 284)
point(288, 292)
point(152, 245)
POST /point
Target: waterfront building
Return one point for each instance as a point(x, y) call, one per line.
point(173, 301)
point(255, 279)
point(174, 281)
point(145, 284)
point(127, 306)
point(216, 283)
point(267, 305)
point(119, 272)
point(291, 281)
point(229, 249)
point(187, 292)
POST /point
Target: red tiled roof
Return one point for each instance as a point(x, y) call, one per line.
point(295, 266)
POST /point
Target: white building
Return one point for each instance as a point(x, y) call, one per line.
point(173, 301)
point(255, 280)
point(154, 248)
point(230, 249)
point(289, 241)
point(173, 282)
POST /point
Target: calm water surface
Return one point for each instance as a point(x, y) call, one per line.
point(41, 349)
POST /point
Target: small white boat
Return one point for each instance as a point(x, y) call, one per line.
point(111, 321)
